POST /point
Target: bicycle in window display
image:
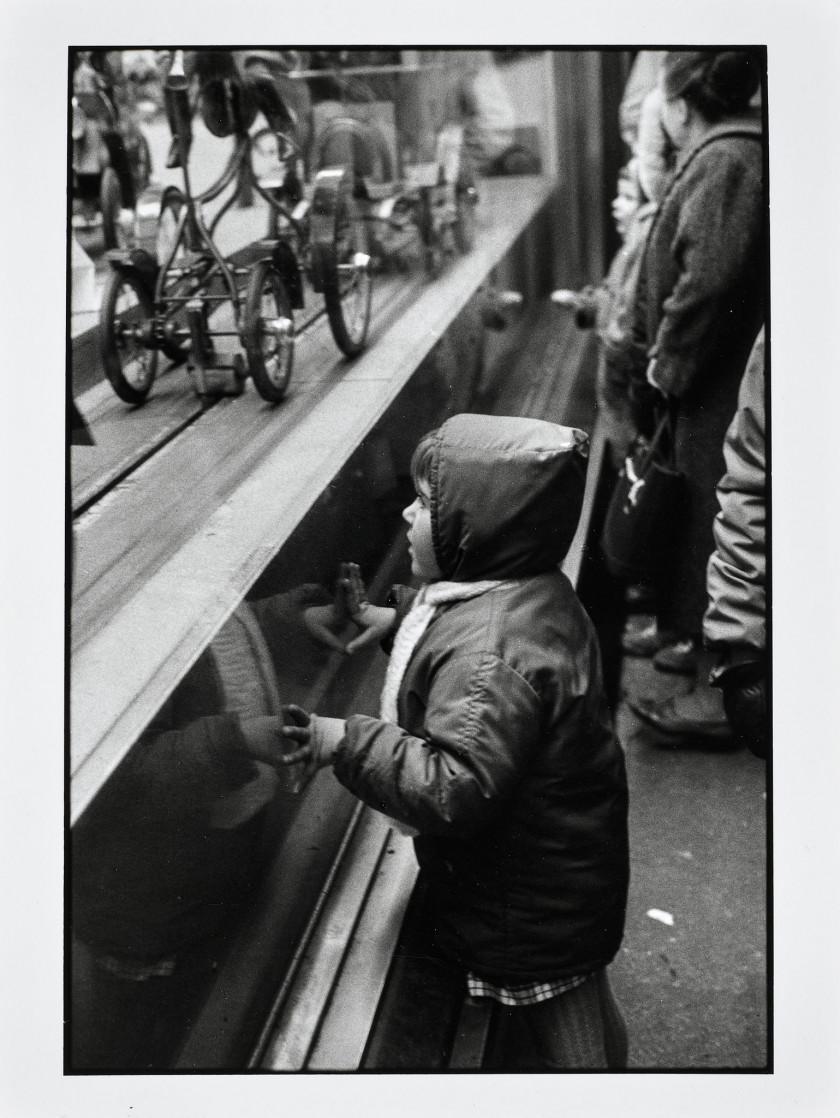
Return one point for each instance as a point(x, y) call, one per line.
point(167, 302)
point(395, 192)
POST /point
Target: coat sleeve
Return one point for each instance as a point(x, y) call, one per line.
point(187, 770)
point(716, 240)
point(619, 329)
point(737, 569)
point(627, 356)
point(482, 724)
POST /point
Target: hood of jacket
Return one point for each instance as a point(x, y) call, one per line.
point(506, 495)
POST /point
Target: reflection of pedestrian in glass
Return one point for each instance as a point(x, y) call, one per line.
point(99, 85)
point(230, 87)
point(487, 112)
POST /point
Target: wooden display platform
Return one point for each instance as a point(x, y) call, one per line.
point(163, 558)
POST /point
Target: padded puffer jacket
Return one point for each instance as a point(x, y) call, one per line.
point(505, 759)
point(737, 570)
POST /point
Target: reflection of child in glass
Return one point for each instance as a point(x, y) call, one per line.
point(174, 842)
point(495, 744)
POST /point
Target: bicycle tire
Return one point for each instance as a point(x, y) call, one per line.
point(339, 240)
point(115, 343)
point(270, 381)
point(110, 203)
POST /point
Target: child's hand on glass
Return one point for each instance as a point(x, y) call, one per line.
point(349, 604)
point(310, 739)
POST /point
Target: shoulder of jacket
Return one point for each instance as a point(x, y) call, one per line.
point(480, 664)
point(503, 619)
point(721, 147)
point(707, 170)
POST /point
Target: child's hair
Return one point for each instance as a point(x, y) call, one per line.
point(421, 459)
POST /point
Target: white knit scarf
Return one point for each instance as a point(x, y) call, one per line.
point(414, 625)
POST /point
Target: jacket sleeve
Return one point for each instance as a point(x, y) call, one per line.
point(619, 329)
point(187, 770)
point(482, 724)
point(737, 569)
point(717, 236)
point(628, 355)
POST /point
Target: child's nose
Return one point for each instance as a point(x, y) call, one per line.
point(409, 512)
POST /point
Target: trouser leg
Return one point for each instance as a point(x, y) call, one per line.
point(581, 1029)
point(615, 1029)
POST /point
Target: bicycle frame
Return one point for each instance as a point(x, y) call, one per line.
point(194, 234)
point(191, 275)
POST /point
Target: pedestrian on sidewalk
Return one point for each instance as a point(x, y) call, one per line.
point(608, 308)
point(734, 625)
point(699, 306)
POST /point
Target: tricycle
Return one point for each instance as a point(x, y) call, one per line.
point(435, 198)
point(168, 302)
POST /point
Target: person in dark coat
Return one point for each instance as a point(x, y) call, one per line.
point(734, 625)
point(699, 306)
point(495, 744)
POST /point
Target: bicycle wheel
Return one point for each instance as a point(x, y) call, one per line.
point(360, 148)
point(341, 261)
point(170, 212)
point(141, 164)
point(110, 202)
point(167, 229)
point(126, 307)
point(268, 332)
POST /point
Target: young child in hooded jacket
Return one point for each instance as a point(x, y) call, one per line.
point(608, 307)
point(495, 743)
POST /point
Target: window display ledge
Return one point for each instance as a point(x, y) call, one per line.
point(136, 653)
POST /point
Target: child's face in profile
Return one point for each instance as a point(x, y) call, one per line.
point(418, 516)
point(625, 204)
